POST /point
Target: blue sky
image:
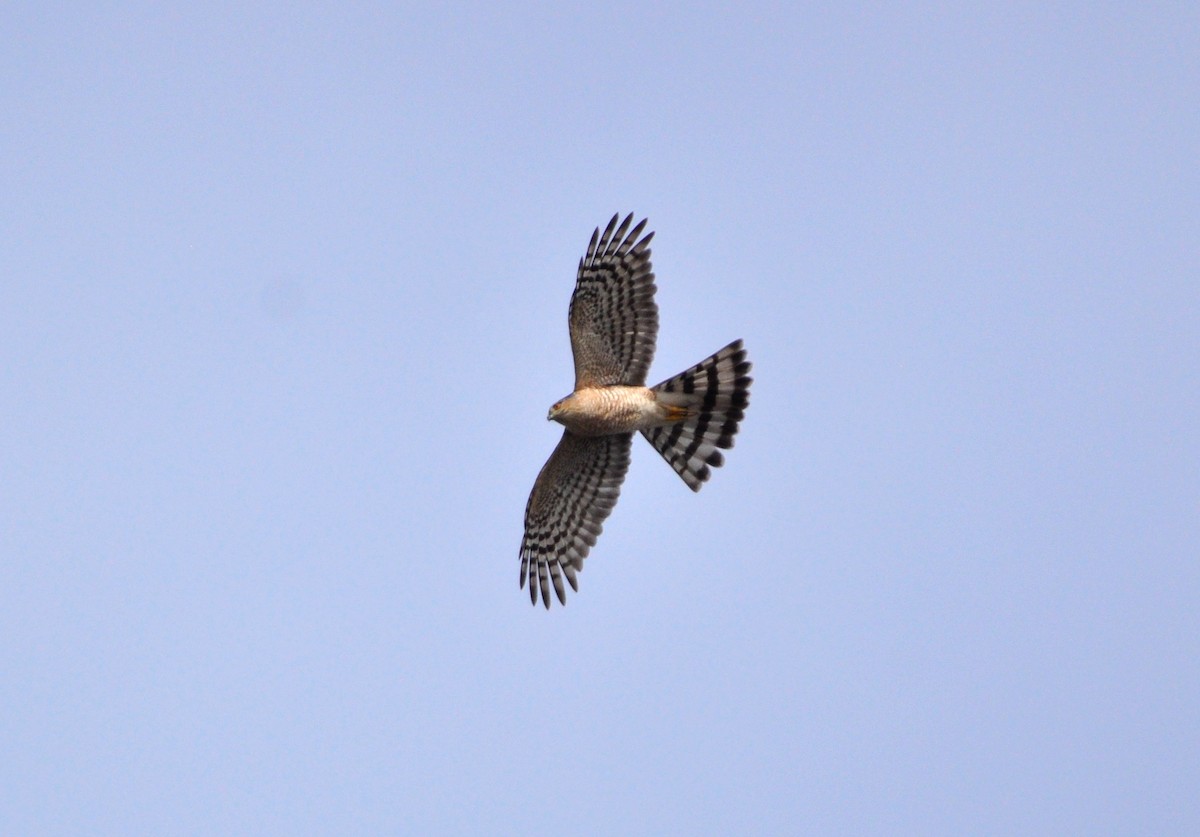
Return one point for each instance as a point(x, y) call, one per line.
point(283, 306)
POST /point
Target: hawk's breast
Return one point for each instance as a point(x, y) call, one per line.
point(602, 411)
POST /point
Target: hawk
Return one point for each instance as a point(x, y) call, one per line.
point(687, 418)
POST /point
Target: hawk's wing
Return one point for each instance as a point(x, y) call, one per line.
point(614, 321)
point(574, 493)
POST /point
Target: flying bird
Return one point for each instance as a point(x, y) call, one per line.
point(688, 418)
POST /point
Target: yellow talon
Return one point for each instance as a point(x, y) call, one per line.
point(676, 413)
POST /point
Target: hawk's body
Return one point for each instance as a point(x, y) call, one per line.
point(599, 411)
point(614, 325)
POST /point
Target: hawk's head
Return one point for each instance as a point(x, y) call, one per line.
point(560, 409)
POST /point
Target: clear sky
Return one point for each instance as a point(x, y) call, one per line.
point(283, 306)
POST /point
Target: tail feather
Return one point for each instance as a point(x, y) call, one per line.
point(714, 393)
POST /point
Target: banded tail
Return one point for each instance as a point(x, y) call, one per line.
point(714, 394)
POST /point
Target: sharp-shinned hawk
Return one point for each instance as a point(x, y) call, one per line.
point(687, 418)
